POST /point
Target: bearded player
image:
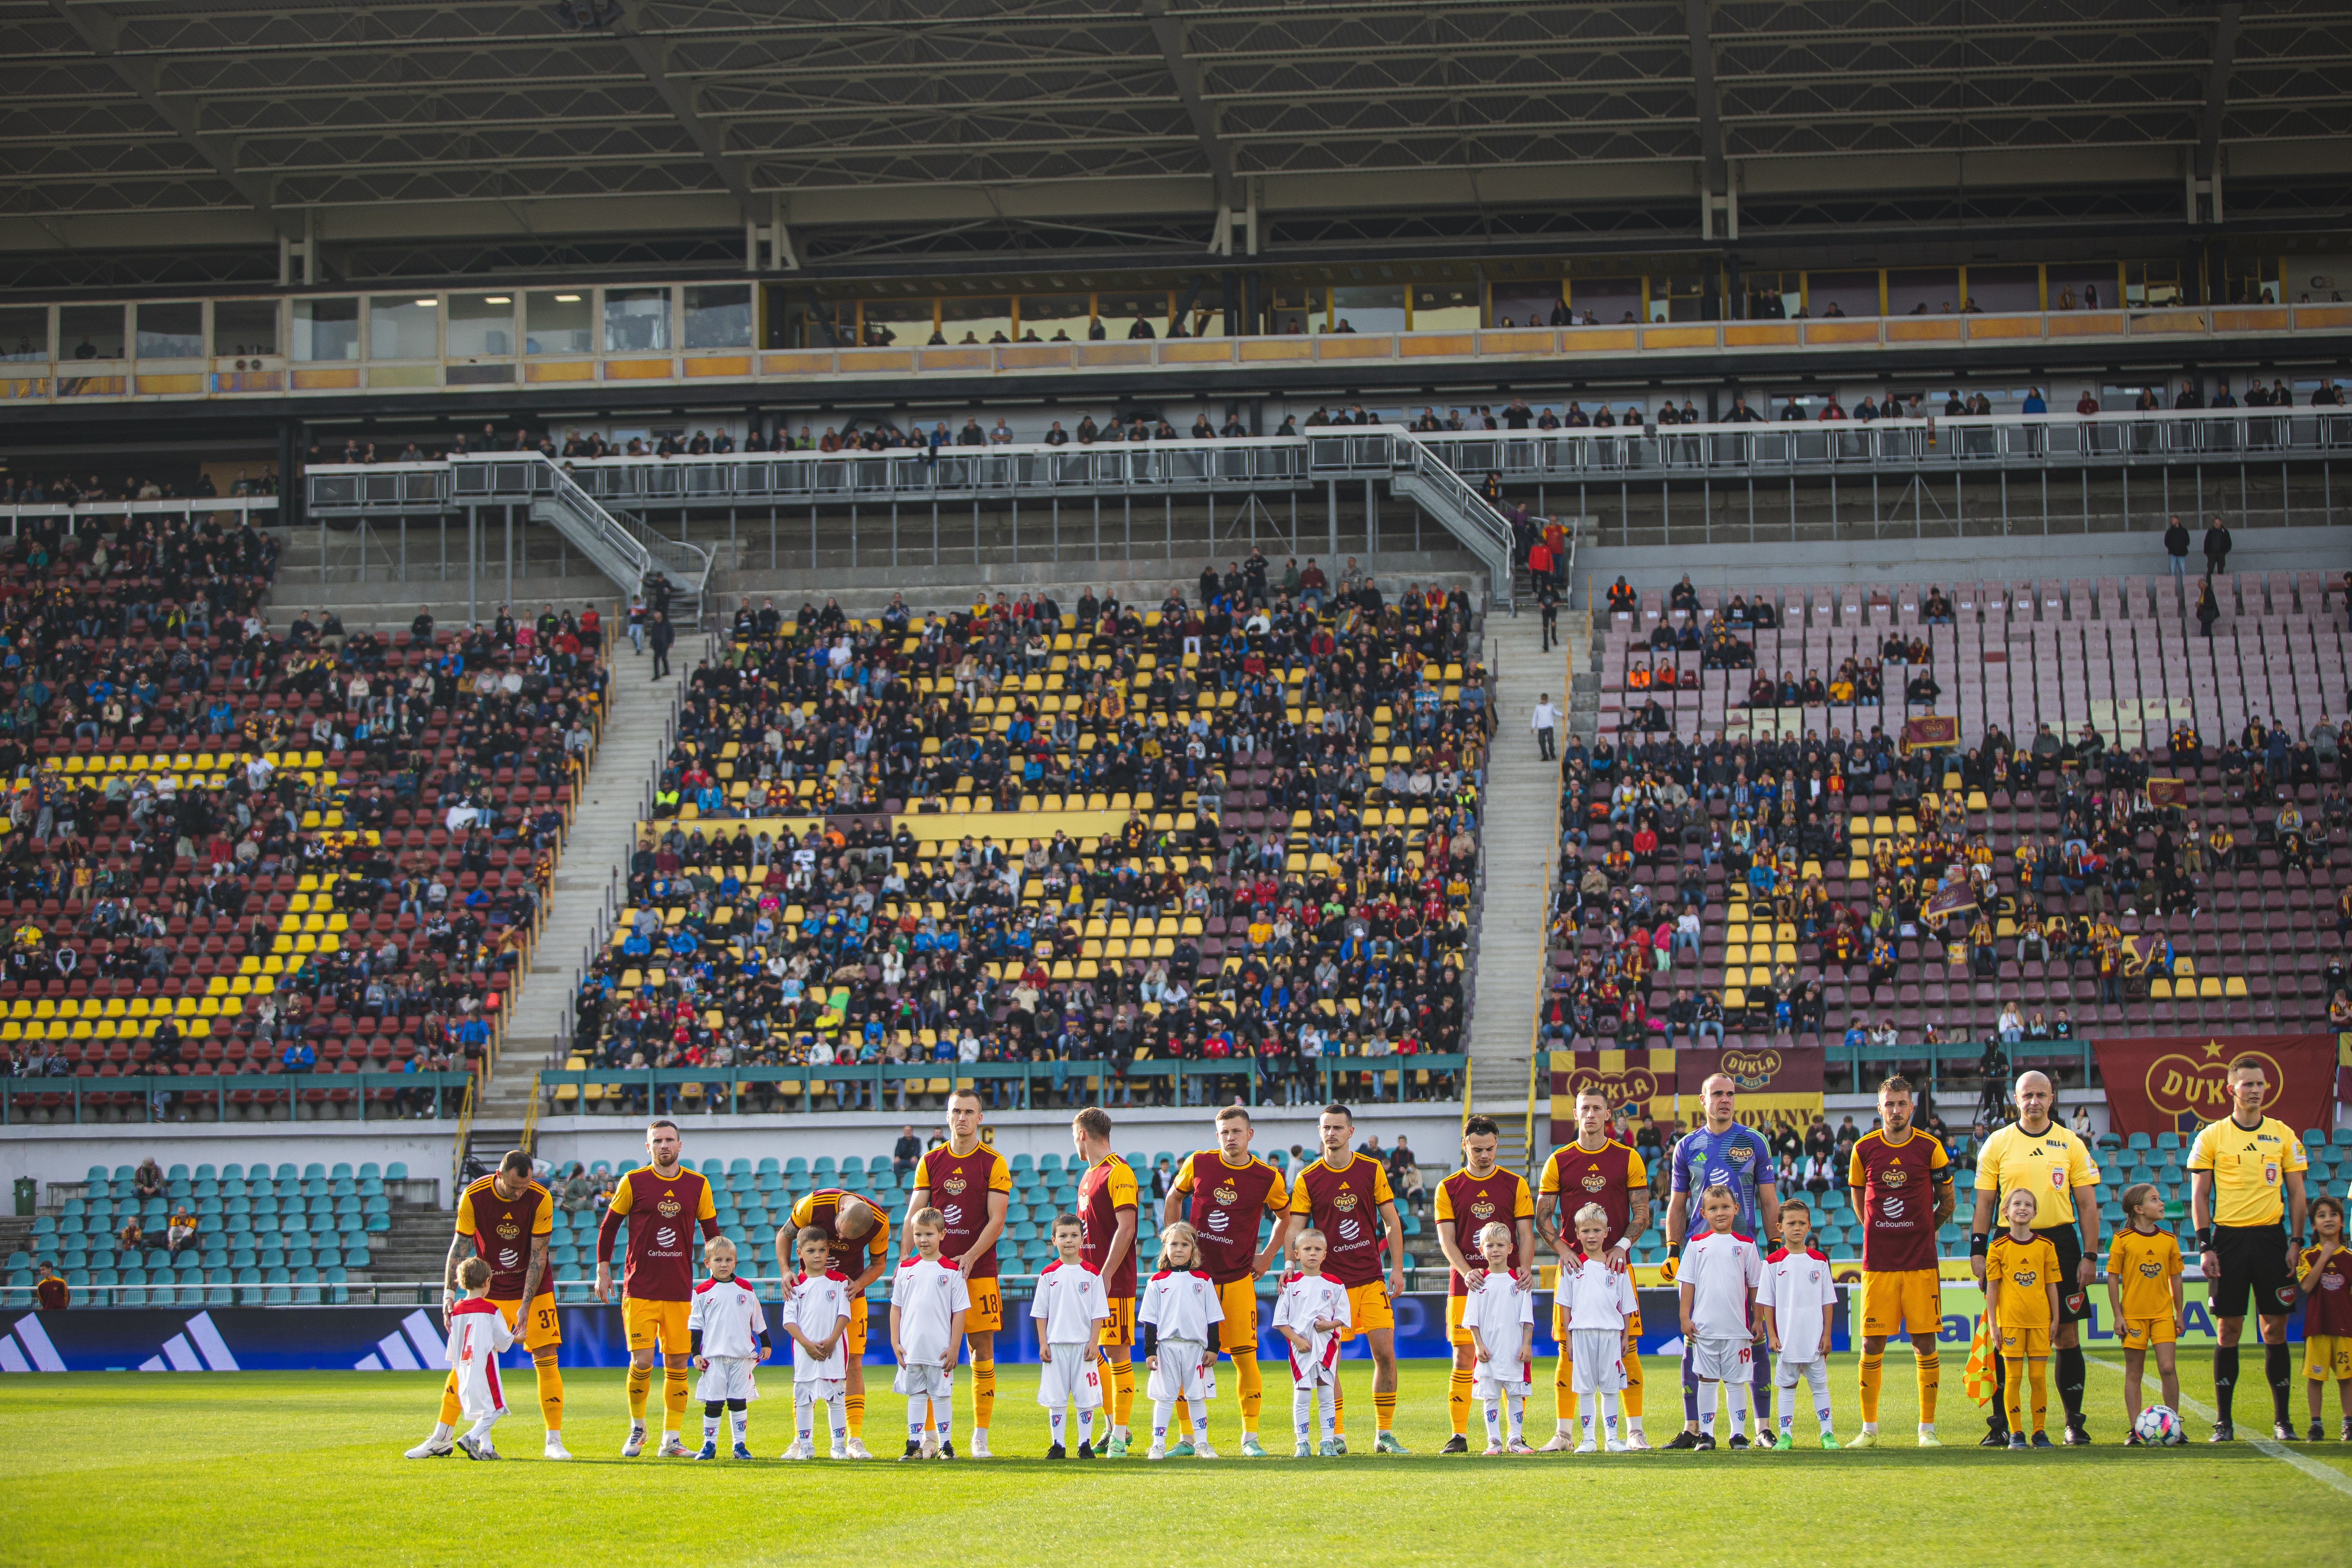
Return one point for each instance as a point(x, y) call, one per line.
point(506, 1219)
point(1478, 1194)
point(661, 1202)
point(1594, 1168)
point(1108, 1210)
point(970, 1184)
point(1346, 1196)
point(1225, 1194)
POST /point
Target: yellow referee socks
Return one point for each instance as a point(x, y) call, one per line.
point(641, 1380)
point(1563, 1388)
point(452, 1415)
point(1931, 1378)
point(1873, 1371)
point(1383, 1410)
point(550, 1388)
point(1632, 1397)
point(1252, 1380)
point(673, 1397)
point(983, 1391)
point(1457, 1401)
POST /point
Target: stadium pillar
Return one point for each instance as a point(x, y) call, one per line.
point(289, 486)
point(1332, 508)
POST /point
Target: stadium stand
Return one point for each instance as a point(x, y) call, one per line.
point(1240, 828)
point(2105, 820)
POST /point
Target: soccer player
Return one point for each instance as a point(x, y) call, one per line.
point(858, 1234)
point(1901, 1184)
point(970, 1184)
point(661, 1202)
point(2324, 1274)
point(1106, 1220)
point(1722, 1153)
point(1797, 1300)
point(1500, 1315)
point(1595, 1169)
point(1225, 1194)
point(1596, 1302)
point(1717, 1283)
point(1174, 1311)
point(2036, 1155)
point(928, 1298)
point(2145, 1298)
point(1346, 1196)
point(730, 1336)
point(1478, 1194)
point(1310, 1313)
point(2245, 1174)
point(816, 1318)
point(478, 1332)
point(2022, 1271)
point(1070, 1309)
point(506, 1220)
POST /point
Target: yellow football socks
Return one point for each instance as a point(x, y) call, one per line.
point(1247, 1374)
point(1931, 1379)
point(983, 1391)
point(853, 1414)
point(452, 1414)
point(1457, 1400)
point(1383, 1410)
point(1631, 1395)
point(673, 1397)
point(641, 1380)
point(1873, 1370)
point(550, 1388)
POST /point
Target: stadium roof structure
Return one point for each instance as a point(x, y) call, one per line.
point(420, 136)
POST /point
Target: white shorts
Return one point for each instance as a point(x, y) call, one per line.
point(726, 1377)
point(1186, 1371)
point(1596, 1360)
point(1073, 1377)
point(818, 1388)
point(1787, 1373)
point(934, 1381)
point(1722, 1361)
point(1494, 1379)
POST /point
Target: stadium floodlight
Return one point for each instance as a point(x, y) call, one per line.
point(586, 15)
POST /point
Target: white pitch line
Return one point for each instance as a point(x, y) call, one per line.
point(2327, 1474)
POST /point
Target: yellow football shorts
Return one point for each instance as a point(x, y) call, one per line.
point(1119, 1325)
point(2025, 1344)
point(2327, 1358)
point(1369, 1309)
point(1893, 1301)
point(541, 1329)
point(2139, 1333)
point(986, 1314)
point(1238, 1299)
point(658, 1325)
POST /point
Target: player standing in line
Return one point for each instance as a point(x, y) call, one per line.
point(2145, 1299)
point(1478, 1194)
point(816, 1318)
point(661, 1202)
point(1798, 1299)
point(928, 1298)
point(506, 1219)
point(1595, 1169)
point(2022, 1271)
point(1310, 1313)
point(2245, 1175)
point(1070, 1309)
point(2325, 1275)
point(1174, 1311)
point(478, 1332)
point(1723, 1153)
point(1900, 1181)
point(1500, 1315)
point(1346, 1196)
point(1596, 1302)
point(970, 1184)
point(2036, 1155)
point(1717, 1283)
point(1224, 1193)
point(729, 1334)
point(857, 1236)
point(1107, 1218)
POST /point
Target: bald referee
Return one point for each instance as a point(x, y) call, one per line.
point(2035, 1155)
point(2245, 1175)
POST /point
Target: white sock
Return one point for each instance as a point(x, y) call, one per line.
point(1518, 1419)
point(1086, 1425)
point(1565, 1425)
point(1817, 1375)
point(481, 1432)
point(1200, 1419)
point(441, 1430)
point(1494, 1423)
point(1327, 1408)
point(1739, 1391)
point(740, 1421)
point(1608, 1416)
point(1633, 1426)
point(1162, 1412)
point(840, 1409)
point(1302, 1412)
point(710, 1428)
point(801, 1404)
point(1707, 1407)
point(1584, 1421)
point(918, 1410)
point(1055, 1415)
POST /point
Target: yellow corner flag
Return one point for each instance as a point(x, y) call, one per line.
point(1980, 1380)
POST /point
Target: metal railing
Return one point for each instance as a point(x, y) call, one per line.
point(168, 1096)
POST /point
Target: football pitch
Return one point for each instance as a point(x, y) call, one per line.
point(251, 1468)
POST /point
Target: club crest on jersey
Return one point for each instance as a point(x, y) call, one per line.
point(507, 1230)
point(2024, 1278)
point(1592, 1180)
point(954, 1184)
point(1344, 1201)
point(1227, 1194)
point(2057, 1179)
point(1482, 1208)
point(668, 1207)
point(1895, 1177)
point(1740, 1152)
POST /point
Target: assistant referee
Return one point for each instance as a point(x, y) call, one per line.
point(2036, 1155)
point(2245, 1174)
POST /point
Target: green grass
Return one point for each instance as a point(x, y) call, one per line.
point(282, 1467)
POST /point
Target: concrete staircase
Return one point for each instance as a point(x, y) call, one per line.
point(601, 838)
point(1521, 832)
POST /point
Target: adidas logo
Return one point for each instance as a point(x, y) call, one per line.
point(180, 1350)
point(391, 1353)
point(29, 1349)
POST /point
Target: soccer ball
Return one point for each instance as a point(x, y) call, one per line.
point(2158, 1425)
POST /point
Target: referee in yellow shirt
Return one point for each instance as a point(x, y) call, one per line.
point(2036, 1155)
point(2245, 1175)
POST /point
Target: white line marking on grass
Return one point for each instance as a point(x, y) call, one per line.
point(2279, 1451)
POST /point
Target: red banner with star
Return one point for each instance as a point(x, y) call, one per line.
point(2178, 1083)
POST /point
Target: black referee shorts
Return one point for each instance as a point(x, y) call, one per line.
point(2073, 1301)
point(2253, 1262)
